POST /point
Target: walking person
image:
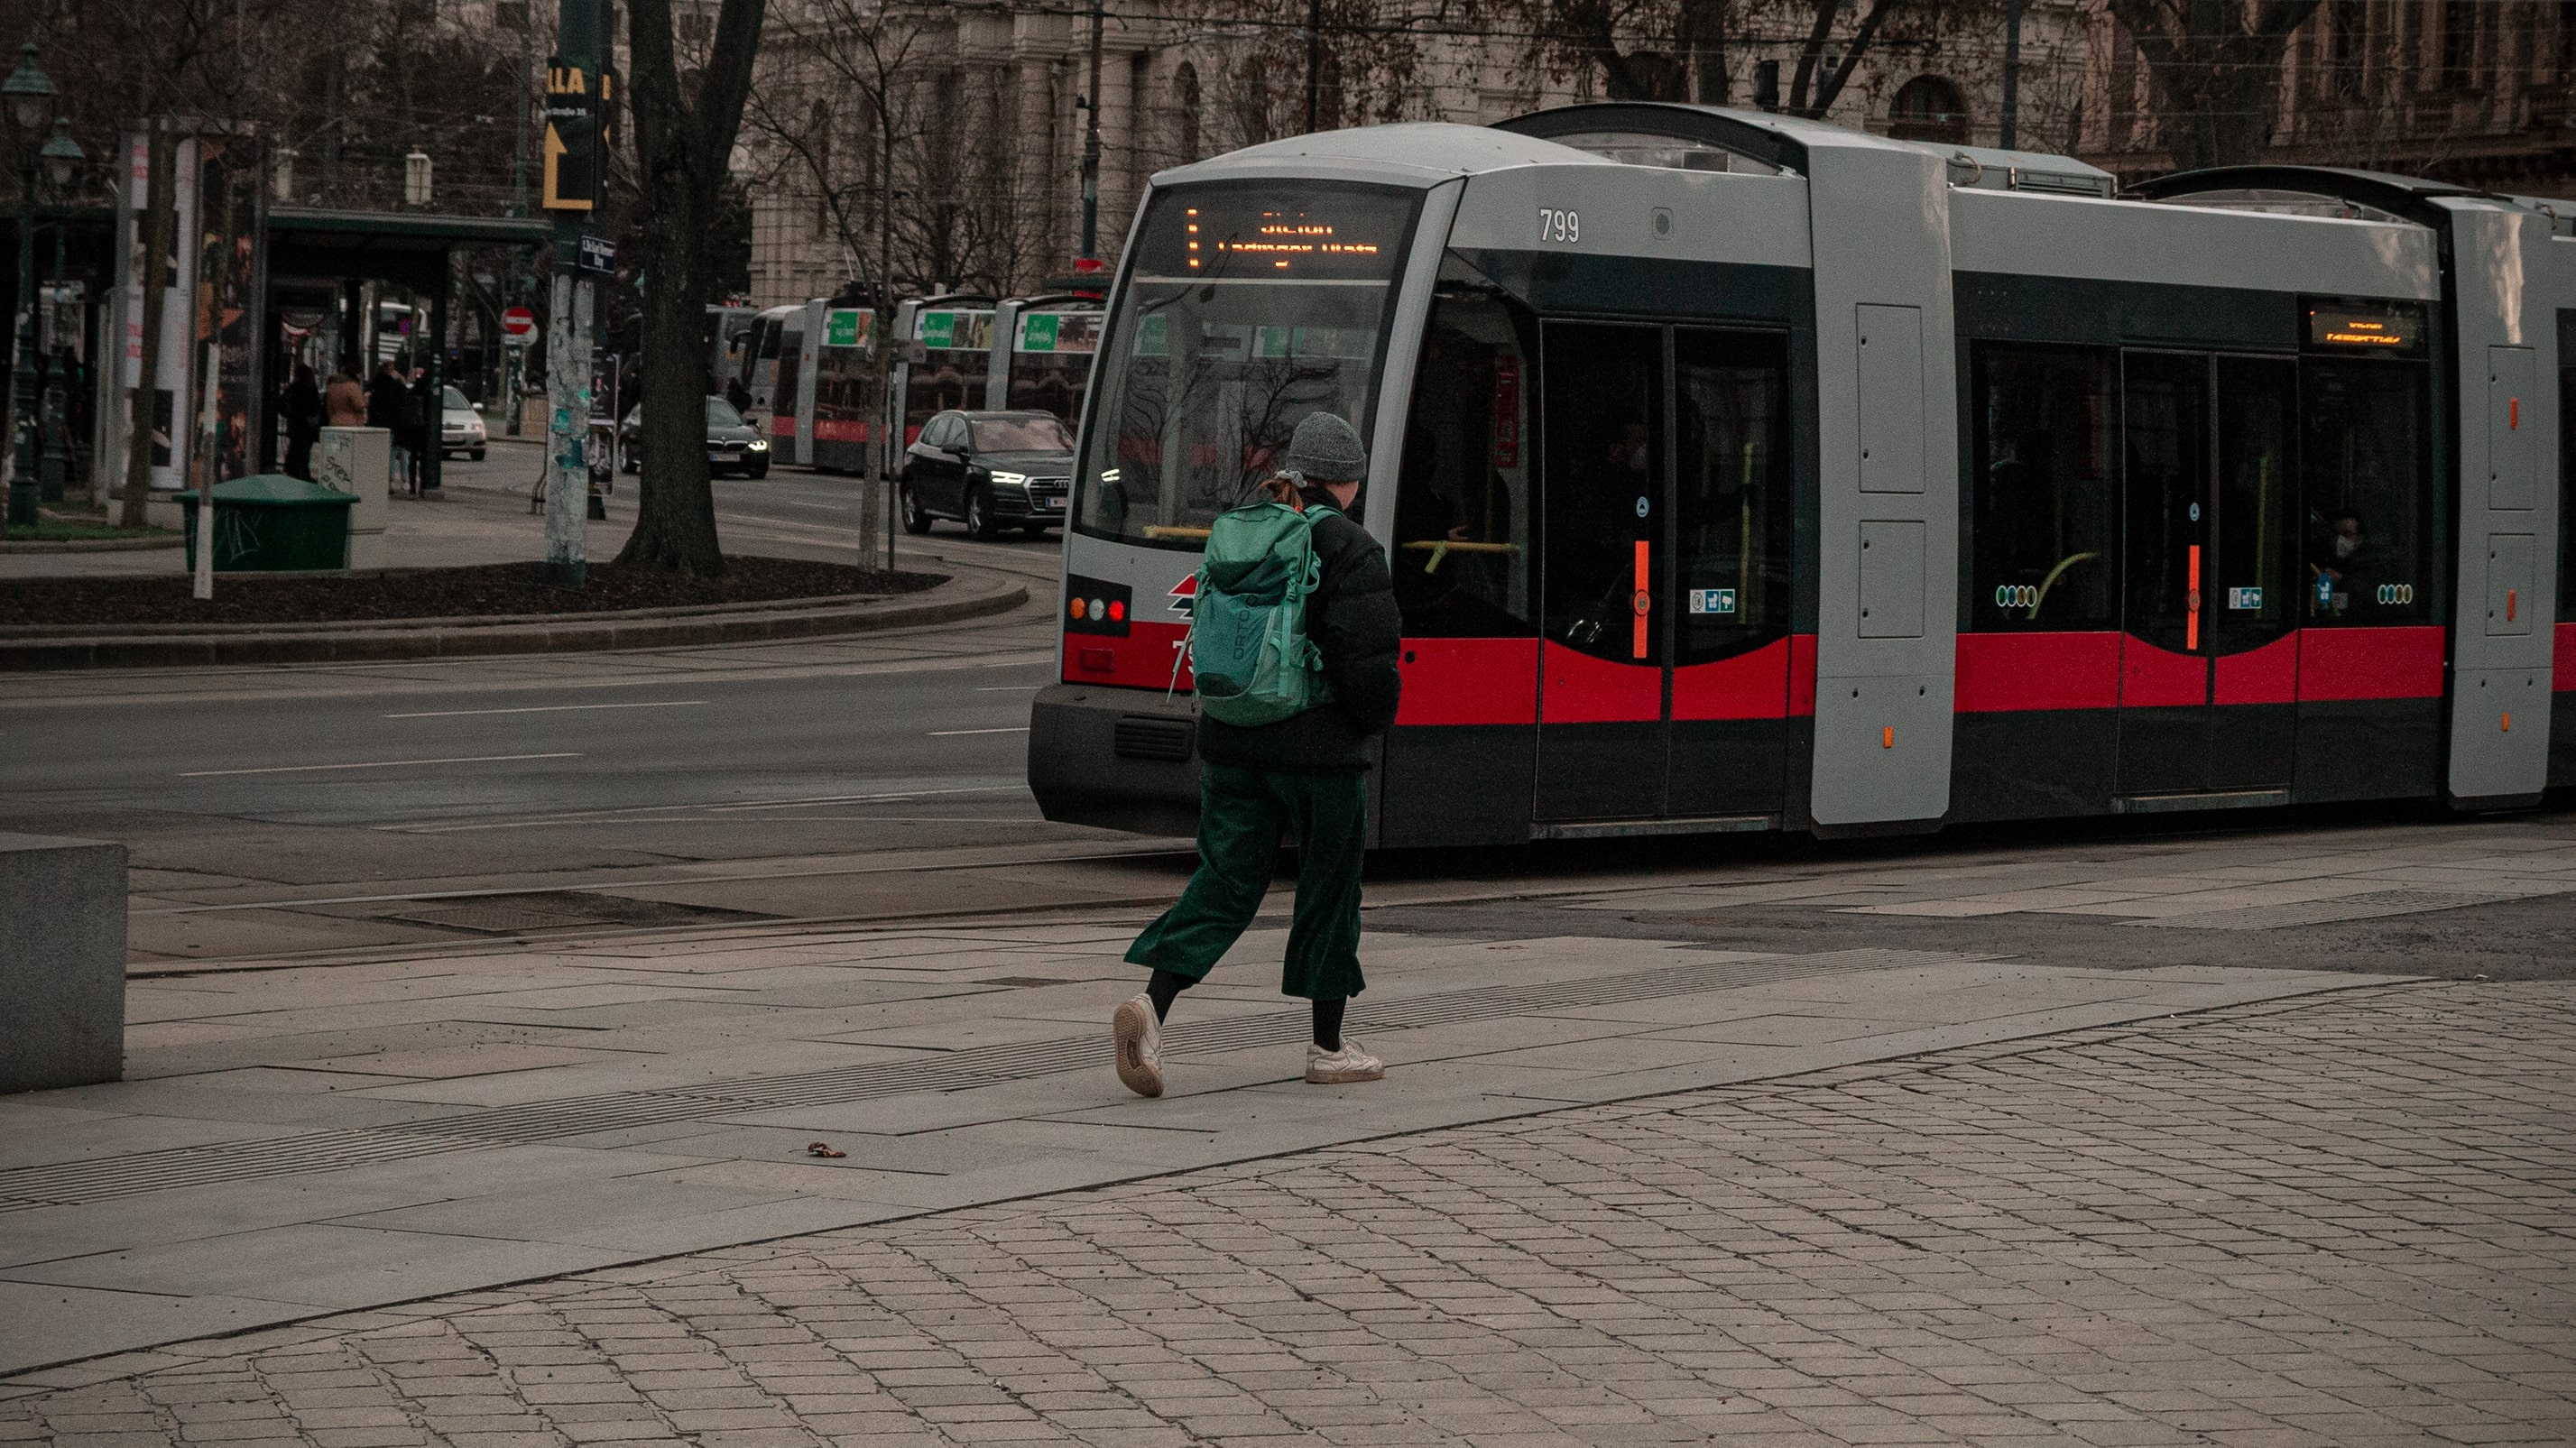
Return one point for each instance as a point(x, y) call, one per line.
point(425, 414)
point(386, 397)
point(302, 408)
point(344, 402)
point(1306, 773)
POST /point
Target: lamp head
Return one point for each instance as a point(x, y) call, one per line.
point(62, 155)
point(29, 93)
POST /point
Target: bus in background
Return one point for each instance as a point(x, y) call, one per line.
point(723, 333)
point(946, 360)
point(837, 423)
point(1042, 350)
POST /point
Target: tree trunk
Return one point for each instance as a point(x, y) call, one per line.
point(2214, 67)
point(683, 146)
point(157, 206)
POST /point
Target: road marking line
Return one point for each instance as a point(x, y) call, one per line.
point(374, 764)
point(1006, 688)
point(659, 812)
point(949, 733)
point(544, 709)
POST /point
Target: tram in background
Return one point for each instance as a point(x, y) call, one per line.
point(1042, 352)
point(943, 360)
point(1746, 473)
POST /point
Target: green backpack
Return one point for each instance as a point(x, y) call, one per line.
point(1248, 647)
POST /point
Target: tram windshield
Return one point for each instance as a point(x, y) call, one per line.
point(1247, 308)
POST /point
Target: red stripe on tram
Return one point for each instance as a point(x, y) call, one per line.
point(2564, 658)
point(1580, 689)
point(2372, 663)
point(2154, 678)
point(1748, 686)
point(2000, 672)
point(2268, 675)
point(1469, 681)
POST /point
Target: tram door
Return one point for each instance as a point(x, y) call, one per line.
point(2209, 663)
point(1663, 676)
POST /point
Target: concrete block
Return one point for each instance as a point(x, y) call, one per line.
point(359, 460)
point(62, 962)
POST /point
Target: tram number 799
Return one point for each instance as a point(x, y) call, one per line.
point(1554, 225)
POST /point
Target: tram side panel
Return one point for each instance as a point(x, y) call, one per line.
point(2503, 616)
point(2562, 724)
point(1888, 495)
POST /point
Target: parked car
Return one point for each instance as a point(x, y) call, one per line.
point(460, 427)
point(989, 471)
point(733, 445)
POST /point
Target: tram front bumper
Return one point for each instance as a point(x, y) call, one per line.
point(1119, 759)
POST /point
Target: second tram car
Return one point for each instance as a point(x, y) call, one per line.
point(1744, 473)
point(1042, 353)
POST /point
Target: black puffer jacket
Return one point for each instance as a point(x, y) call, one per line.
point(1352, 617)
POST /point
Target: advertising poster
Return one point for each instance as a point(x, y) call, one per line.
point(169, 415)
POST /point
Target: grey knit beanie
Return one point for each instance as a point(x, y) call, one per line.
point(1325, 449)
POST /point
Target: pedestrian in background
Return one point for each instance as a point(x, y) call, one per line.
point(1307, 774)
point(426, 417)
point(302, 409)
point(385, 398)
point(344, 402)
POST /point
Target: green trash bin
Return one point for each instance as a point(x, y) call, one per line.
point(272, 523)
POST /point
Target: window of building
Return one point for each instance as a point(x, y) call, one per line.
point(2459, 42)
point(2044, 499)
point(1928, 108)
point(1185, 101)
point(1464, 538)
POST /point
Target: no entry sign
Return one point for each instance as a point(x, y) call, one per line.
point(518, 324)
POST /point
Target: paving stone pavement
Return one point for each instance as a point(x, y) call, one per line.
point(2341, 1220)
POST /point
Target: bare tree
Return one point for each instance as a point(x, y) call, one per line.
point(684, 139)
point(1675, 50)
point(2214, 68)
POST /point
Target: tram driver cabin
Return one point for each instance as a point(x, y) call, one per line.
point(1742, 473)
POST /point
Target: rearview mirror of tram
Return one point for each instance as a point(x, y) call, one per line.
point(1247, 308)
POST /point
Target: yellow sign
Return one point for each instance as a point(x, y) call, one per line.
point(572, 169)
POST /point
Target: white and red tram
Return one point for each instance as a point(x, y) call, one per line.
point(1741, 472)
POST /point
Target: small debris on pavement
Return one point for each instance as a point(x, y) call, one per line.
point(823, 1148)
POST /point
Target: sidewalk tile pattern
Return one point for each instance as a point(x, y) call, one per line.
point(2339, 1221)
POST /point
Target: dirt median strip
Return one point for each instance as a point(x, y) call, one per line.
point(967, 595)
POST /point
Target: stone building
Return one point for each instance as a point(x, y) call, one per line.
point(983, 104)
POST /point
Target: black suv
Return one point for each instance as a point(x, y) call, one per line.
point(990, 471)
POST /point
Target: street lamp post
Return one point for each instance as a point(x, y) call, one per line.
point(62, 157)
point(29, 97)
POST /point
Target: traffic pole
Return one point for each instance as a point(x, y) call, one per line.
point(573, 167)
point(2010, 132)
point(1091, 147)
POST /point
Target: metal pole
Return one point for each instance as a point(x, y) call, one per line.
point(1091, 148)
point(1314, 60)
point(568, 351)
point(57, 460)
point(2011, 133)
point(22, 381)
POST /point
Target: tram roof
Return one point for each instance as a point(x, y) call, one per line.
point(1412, 153)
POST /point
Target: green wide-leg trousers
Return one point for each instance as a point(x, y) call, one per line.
point(1241, 814)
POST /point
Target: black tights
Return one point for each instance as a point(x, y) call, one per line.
point(1167, 984)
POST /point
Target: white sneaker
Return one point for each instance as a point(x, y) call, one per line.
point(1139, 1036)
point(1334, 1068)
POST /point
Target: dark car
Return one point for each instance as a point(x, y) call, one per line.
point(990, 471)
point(733, 445)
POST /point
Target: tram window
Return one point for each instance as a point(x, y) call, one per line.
point(2045, 507)
point(1732, 509)
point(791, 369)
point(1604, 399)
point(1250, 306)
point(2253, 556)
point(2368, 523)
point(845, 384)
point(1463, 530)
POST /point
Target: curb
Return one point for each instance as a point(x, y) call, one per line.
point(87, 545)
point(958, 598)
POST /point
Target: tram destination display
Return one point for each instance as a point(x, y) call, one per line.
point(1344, 233)
point(2395, 328)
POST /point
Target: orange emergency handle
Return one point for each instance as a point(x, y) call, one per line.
point(2191, 602)
point(1645, 599)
